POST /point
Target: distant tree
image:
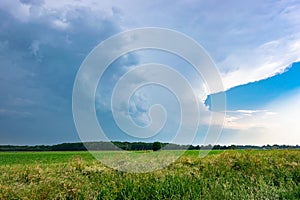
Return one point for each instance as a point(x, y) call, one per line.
point(156, 146)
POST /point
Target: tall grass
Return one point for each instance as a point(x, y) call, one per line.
point(253, 174)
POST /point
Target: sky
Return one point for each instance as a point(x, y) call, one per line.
point(255, 46)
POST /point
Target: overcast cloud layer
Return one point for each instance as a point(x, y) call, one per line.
point(43, 43)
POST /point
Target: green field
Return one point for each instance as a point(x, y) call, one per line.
point(249, 174)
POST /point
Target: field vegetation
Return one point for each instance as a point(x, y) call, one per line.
point(231, 174)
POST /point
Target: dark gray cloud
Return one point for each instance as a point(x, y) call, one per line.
point(39, 58)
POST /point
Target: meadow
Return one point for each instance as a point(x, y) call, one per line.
point(230, 174)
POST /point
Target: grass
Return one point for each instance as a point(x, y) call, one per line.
point(12, 158)
point(254, 174)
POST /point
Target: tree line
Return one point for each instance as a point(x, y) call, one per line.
point(133, 146)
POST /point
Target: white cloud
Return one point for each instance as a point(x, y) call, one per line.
point(284, 127)
point(262, 62)
point(35, 47)
point(59, 24)
point(246, 119)
point(17, 9)
point(14, 113)
point(138, 109)
point(278, 124)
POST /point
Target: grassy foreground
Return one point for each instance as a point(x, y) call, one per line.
point(273, 174)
